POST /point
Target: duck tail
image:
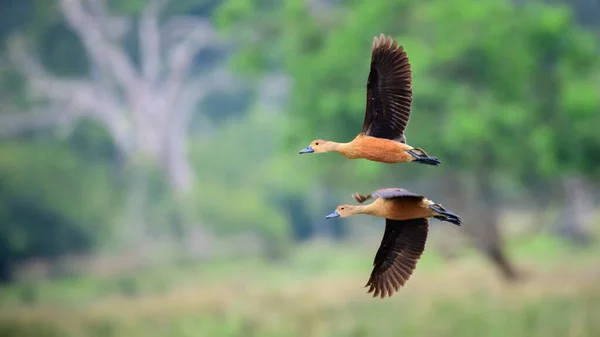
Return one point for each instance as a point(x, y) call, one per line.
point(445, 215)
point(360, 198)
point(421, 157)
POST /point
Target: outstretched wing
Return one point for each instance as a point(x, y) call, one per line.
point(389, 91)
point(401, 248)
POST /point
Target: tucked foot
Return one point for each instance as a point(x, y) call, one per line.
point(444, 215)
point(422, 158)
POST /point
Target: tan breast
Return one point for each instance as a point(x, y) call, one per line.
point(378, 149)
point(402, 209)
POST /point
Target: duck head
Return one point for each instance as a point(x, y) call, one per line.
point(344, 211)
point(319, 146)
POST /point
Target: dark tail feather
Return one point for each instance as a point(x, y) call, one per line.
point(445, 215)
point(453, 220)
point(424, 159)
point(361, 197)
point(429, 161)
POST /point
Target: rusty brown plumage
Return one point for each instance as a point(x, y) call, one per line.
point(401, 248)
point(402, 204)
point(387, 113)
point(377, 149)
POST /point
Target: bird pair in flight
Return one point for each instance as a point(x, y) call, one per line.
point(389, 100)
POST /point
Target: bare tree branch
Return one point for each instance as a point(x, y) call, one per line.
point(149, 35)
point(146, 112)
point(80, 98)
point(102, 51)
point(70, 98)
point(193, 35)
point(45, 86)
point(20, 57)
point(13, 124)
point(98, 7)
point(112, 26)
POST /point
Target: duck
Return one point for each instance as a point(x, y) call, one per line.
point(389, 102)
point(406, 227)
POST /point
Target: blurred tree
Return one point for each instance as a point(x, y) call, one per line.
point(69, 51)
point(146, 111)
point(142, 85)
point(35, 220)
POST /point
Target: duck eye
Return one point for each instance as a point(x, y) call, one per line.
point(341, 209)
point(317, 143)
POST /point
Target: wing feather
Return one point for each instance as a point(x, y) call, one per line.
point(401, 248)
point(389, 91)
point(387, 193)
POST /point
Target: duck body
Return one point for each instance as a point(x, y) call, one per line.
point(401, 209)
point(400, 204)
point(377, 149)
point(388, 109)
point(406, 228)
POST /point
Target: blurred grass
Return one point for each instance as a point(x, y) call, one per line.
point(318, 292)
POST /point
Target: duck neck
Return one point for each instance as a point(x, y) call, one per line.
point(342, 148)
point(364, 209)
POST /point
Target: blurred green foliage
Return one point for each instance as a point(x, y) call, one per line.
point(52, 203)
point(501, 89)
point(555, 316)
point(498, 85)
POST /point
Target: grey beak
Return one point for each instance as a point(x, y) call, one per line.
point(335, 214)
point(308, 149)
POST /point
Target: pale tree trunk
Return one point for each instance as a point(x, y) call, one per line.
point(448, 239)
point(485, 227)
point(479, 212)
point(574, 222)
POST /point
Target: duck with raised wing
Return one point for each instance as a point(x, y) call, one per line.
point(389, 101)
point(406, 227)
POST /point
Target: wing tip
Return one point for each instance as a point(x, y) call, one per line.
point(390, 280)
point(384, 41)
point(380, 288)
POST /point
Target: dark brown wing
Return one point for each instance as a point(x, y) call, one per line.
point(389, 91)
point(402, 245)
point(386, 193)
point(390, 193)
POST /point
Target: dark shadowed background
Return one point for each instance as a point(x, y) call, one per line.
point(150, 181)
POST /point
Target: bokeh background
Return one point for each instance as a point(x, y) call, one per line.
point(150, 181)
